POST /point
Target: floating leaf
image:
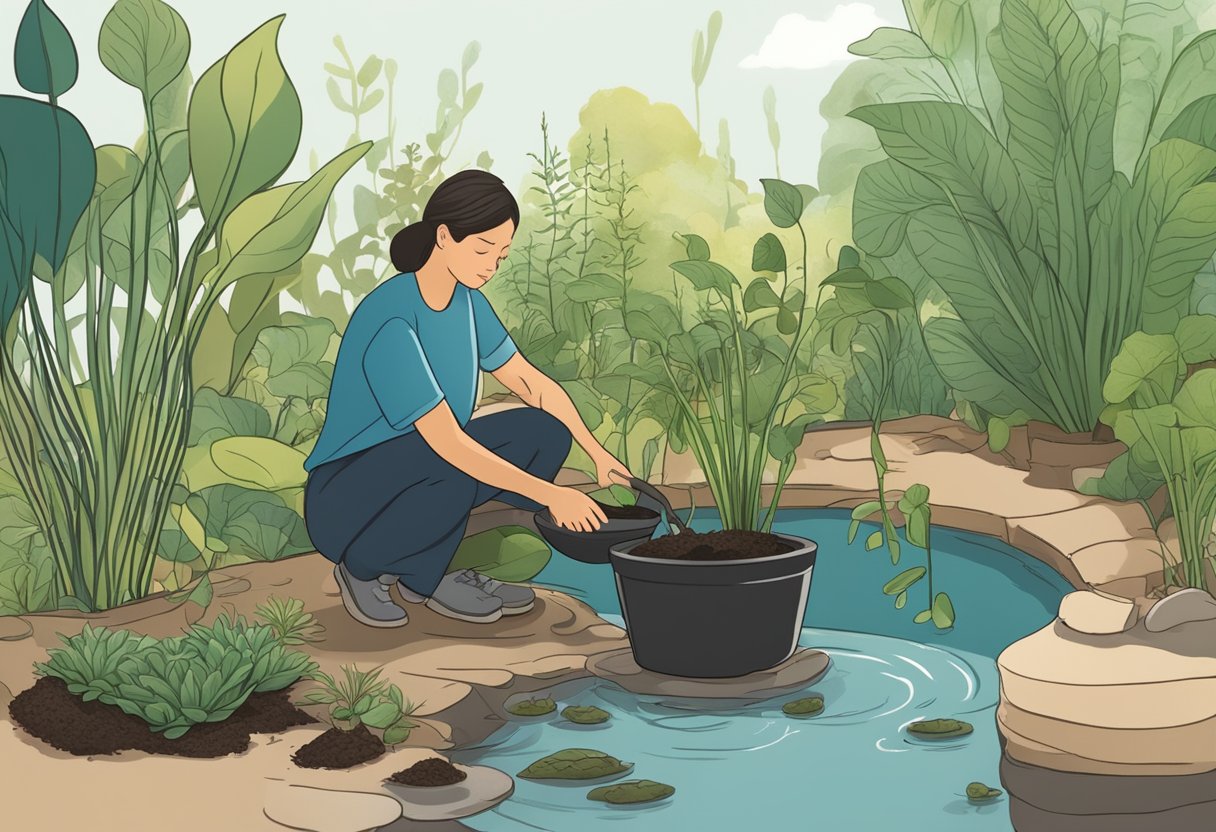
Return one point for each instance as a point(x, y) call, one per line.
point(585, 715)
point(632, 791)
point(901, 582)
point(575, 764)
point(533, 707)
point(943, 611)
point(803, 707)
point(940, 728)
point(980, 792)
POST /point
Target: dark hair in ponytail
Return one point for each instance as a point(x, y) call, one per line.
point(468, 202)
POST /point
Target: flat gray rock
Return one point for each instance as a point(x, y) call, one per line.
point(483, 789)
point(796, 672)
point(1182, 607)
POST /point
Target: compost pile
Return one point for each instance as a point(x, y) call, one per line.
point(339, 749)
point(433, 771)
point(55, 715)
point(718, 545)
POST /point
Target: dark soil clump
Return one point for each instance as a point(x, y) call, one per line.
point(339, 749)
point(58, 717)
point(433, 771)
point(627, 512)
point(723, 545)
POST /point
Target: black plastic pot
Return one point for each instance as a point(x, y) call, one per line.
point(594, 546)
point(713, 619)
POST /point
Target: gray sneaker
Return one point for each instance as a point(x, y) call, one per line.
point(516, 599)
point(459, 595)
point(368, 602)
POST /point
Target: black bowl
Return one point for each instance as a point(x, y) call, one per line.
point(593, 547)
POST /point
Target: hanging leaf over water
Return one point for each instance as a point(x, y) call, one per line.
point(632, 791)
point(575, 764)
point(943, 611)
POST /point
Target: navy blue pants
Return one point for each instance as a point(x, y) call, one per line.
point(398, 508)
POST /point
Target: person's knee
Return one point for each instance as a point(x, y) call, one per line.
point(554, 436)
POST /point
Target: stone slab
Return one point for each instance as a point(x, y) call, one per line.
point(798, 671)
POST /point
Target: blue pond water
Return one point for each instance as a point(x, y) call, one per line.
point(850, 767)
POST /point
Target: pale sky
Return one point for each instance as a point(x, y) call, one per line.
point(536, 55)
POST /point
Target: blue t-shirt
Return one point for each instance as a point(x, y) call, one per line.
point(399, 358)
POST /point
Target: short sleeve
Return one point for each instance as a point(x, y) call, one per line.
point(399, 375)
point(494, 344)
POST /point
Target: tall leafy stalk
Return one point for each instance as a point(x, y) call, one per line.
point(98, 440)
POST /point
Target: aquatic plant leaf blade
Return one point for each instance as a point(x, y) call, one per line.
point(586, 715)
point(903, 580)
point(631, 791)
point(575, 764)
point(940, 728)
point(943, 611)
point(803, 707)
point(533, 707)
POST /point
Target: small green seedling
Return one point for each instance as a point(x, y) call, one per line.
point(289, 621)
point(588, 715)
point(981, 793)
point(363, 698)
point(632, 791)
point(939, 729)
point(809, 706)
point(533, 707)
point(575, 764)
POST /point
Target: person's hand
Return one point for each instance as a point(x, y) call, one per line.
point(605, 466)
point(572, 509)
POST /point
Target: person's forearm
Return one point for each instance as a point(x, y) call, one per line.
point(553, 399)
point(467, 454)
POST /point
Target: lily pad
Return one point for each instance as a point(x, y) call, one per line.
point(940, 729)
point(533, 707)
point(588, 715)
point(809, 706)
point(632, 791)
point(575, 764)
point(979, 792)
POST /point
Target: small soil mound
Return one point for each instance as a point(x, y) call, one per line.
point(339, 749)
point(627, 512)
point(723, 545)
point(58, 717)
point(433, 771)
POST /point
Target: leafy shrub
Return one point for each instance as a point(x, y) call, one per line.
point(361, 697)
point(176, 683)
point(1163, 407)
point(93, 662)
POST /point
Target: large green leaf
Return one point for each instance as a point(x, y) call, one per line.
point(216, 417)
point(1148, 367)
point(768, 255)
point(706, 274)
point(144, 43)
point(259, 461)
point(593, 287)
point(1184, 243)
point(888, 42)
point(506, 553)
point(244, 124)
point(782, 202)
point(47, 174)
point(292, 355)
point(271, 230)
point(45, 57)
point(888, 194)
point(254, 524)
point(1190, 78)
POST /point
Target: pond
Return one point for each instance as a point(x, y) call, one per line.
point(853, 765)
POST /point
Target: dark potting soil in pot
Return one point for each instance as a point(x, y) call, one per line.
point(627, 512)
point(720, 545)
point(339, 749)
point(55, 715)
point(433, 771)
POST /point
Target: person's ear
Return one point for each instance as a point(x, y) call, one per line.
point(442, 236)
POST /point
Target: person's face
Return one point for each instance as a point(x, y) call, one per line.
point(475, 259)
